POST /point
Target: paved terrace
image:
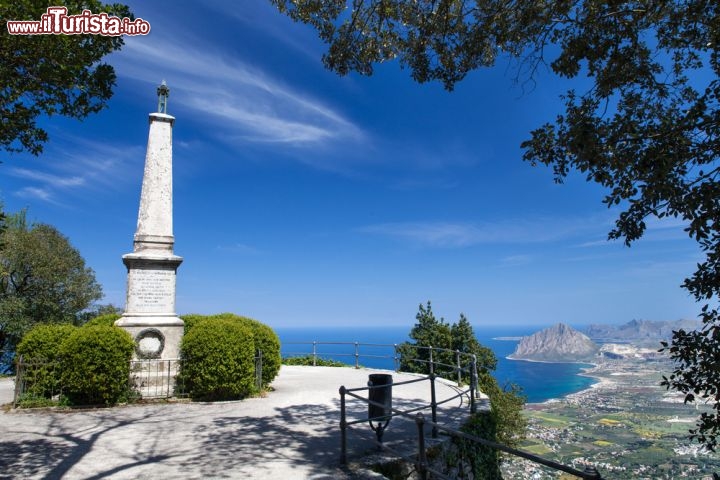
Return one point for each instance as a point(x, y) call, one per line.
point(292, 433)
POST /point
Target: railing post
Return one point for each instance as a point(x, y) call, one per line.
point(343, 428)
point(168, 390)
point(259, 368)
point(357, 355)
point(433, 405)
point(474, 367)
point(591, 473)
point(432, 369)
point(397, 357)
point(19, 374)
point(421, 457)
point(314, 354)
point(473, 384)
point(459, 367)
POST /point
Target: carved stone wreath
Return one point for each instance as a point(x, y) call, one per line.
point(149, 343)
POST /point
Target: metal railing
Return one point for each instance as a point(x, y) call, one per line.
point(358, 350)
point(35, 377)
point(149, 378)
point(420, 456)
point(353, 352)
point(155, 378)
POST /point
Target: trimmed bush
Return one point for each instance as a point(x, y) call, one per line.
point(268, 342)
point(95, 363)
point(43, 341)
point(307, 361)
point(191, 320)
point(40, 348)
point(265, 339)
point(107, 320)
point(218, 360)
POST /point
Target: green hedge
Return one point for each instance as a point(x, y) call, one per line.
point(218, 360)
point(265, 339)
point(107, 320)
point(191, 320)
point(308, 361)
point(95, 365)
point(40, 348)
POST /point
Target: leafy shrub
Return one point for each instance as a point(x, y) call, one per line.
point(483, 460)
point(30, 400)
point(40, 348)
point(265, 340)
point(506, 405)
point(218, 360)
point(307, 360)
point(43, 341)
point(107, 320)
point(191, 320)
point(95, 363)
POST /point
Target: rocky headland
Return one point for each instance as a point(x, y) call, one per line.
point(559, 343)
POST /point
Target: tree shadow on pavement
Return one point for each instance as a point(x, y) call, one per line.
point(234, 440)
point(302, 436)
point(66, 440)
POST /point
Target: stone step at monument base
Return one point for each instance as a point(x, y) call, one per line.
point(155, 378)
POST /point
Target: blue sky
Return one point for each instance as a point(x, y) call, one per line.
point(303, 198)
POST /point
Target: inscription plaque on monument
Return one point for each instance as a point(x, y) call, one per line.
point(151, 290)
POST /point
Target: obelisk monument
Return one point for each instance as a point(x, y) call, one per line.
point(152, 266)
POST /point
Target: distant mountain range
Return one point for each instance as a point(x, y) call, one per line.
point(559, 343)
point(639, 331)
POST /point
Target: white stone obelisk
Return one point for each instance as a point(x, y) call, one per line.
point(152, 266)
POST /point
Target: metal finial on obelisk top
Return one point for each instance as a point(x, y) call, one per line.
point(163, 92)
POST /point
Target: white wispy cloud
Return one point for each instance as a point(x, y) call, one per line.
point(100, 163)
point(596, 243)
point(35, 193)
point(240, 248)
point(51, 179)
point(657, 230)
point(265, 19)
point(516, 260)
point(465, 234)
point(72, 164)
point(663, 268)
point(245, 102)
point(434, 234)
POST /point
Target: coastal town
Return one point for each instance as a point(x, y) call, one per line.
point(626, 425)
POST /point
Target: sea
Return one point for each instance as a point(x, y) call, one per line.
point(540, 381)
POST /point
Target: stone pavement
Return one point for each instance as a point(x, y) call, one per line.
point(292, 433)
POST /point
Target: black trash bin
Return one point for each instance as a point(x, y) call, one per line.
point(382, 394)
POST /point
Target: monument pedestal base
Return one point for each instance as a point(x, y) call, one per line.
point(156, 338)
point(150, 316)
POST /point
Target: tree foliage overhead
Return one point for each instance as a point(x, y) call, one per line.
point(51, 74)
point(43, 279)
point(647, 128)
